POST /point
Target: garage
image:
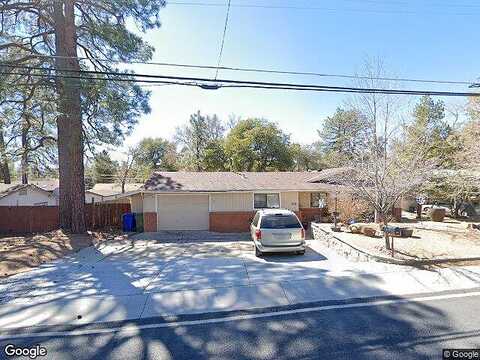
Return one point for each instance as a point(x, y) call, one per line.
point(182, 212)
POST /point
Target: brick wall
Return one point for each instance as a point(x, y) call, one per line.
point(237, 221)
point(149, 221)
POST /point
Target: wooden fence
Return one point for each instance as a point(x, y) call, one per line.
point(29, 219)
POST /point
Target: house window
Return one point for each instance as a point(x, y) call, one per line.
point(317, 200)
point(266, 201)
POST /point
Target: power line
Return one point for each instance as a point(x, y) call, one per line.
point(316, 8)
point(223, 39)
point(270, 71)
point(208, 83)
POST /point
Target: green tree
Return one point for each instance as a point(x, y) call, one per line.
point(98, 31)
point(429, 133)
point(215, 158)
point(156, 154)
point(306, 157)
point(258, 145)
point(104, 168)
point(196, 136)
point(342, 136)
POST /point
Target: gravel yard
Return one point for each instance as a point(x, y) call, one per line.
point(430, 240)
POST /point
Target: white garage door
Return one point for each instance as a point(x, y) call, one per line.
point(182, 212)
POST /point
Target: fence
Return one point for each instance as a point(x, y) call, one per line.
point(28, 219)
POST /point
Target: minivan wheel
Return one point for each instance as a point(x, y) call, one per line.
point(258, 253)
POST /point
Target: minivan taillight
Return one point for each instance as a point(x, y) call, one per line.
point(303, 234)
point(258, 234)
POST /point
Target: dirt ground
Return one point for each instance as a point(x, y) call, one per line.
point(430, 240)
point(22, 253)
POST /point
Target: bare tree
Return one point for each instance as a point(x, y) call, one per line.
point(379, 175)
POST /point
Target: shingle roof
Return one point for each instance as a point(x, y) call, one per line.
point(7, 189)
point(232, 181)
point(105, 189)
point(332, 175)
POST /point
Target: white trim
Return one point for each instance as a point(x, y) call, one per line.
point(266, 192)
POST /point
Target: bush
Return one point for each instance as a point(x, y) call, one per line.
point(353, 209)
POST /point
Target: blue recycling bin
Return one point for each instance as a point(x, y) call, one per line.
point(128, 222)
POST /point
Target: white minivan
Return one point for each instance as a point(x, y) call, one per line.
point(277, 230)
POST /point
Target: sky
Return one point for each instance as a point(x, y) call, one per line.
point(428, 39)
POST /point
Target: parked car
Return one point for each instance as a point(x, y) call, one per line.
point(427, 208)
point(277, 230)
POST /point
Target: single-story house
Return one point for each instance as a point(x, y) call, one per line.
point(26, 195)
point(45, 193)
point(110, 192)
point(225, 201)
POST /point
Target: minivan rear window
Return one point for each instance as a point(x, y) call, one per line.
point(280, 221)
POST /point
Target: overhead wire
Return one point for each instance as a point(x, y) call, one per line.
point(208, 83)
point(223, 39)
point(318, 8)
point(274, 71)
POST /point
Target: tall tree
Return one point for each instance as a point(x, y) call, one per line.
point(378, 174)
point(196, 136)
point(307, 157)
point(104, 168)
point(63, 29)
point(258, 145)
point(342, 136)
point(155, 154)
point(429, 132)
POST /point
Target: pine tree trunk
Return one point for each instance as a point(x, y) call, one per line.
point(24, 160)
point(69, 122)
point(4, 169)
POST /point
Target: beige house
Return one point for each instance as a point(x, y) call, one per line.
point(110, 193)
point(225, 201)
point(26, 195)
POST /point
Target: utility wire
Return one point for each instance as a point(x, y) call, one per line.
point(316, 8)
point(223, 39)
point(210, 84)
point(269, 71)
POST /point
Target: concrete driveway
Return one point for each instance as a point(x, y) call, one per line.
point(170, 273)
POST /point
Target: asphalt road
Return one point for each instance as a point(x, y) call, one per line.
point(417, 329)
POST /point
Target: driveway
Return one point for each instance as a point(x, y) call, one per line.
point(172, 273)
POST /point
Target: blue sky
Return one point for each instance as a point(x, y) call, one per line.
point(416, 39)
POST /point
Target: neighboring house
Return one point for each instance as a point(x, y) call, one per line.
point(224, 201)
point(110, 192)
point(45, 192)
point(26, 195)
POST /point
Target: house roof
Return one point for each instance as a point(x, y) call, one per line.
point(332, 175)
point(7, 189)
point(105, 189)
point(181, 181)
point(47, 185)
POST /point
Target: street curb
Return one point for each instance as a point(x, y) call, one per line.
point(32, 330)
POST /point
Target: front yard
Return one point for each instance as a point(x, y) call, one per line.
point(450, 239)
point(22, 253)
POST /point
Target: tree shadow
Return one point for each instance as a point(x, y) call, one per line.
point(377, 333)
